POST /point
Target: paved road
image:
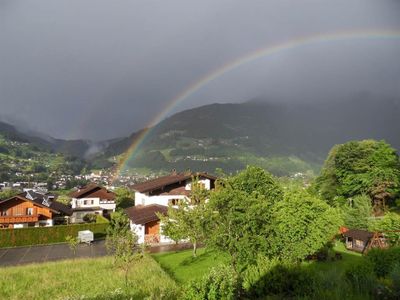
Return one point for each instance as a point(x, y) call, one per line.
point(38, 254)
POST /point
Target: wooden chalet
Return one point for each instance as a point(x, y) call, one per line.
point(31, 209)
point(362, 240)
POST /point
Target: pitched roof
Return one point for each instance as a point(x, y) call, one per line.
point(164, 181)
point(358, 234)
point(142, 214)
point(43, 200)
point(93, 191)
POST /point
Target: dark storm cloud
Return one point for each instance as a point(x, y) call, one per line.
point(100, 69)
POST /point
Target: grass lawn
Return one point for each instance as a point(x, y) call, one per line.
point(348, 258)
point(183, 267)
point(86, 279)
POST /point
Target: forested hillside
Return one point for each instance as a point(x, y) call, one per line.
point(282, 138)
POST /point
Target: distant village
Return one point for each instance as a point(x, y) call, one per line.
point(102, 177)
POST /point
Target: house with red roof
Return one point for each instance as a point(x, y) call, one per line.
point(91, 199)
point(154, 196)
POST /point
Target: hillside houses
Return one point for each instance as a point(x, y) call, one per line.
point(91, 199)
point(154, 196)
point(32, 209)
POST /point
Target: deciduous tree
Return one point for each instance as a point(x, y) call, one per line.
point(190, 218)
point(302, 225)
point(360, 167)
point(241, 210)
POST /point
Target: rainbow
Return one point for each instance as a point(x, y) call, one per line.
point(247, 58)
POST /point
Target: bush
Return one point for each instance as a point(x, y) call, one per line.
point(383, 261)
point(221, 283)
point(252, 283)
point(90, 218)
point(270, 277)
point(101, 220)
point(46, 235)
point(361, 276)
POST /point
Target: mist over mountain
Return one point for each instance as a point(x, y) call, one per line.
point(283, 137)
point(76, 148)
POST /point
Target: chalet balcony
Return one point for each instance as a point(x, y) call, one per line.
point(19, 215)
point(19, 219)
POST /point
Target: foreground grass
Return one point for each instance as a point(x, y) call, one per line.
point(86, 279)
point(348, 258)
point(183, 267)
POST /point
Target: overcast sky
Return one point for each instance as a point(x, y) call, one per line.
point(100, 69)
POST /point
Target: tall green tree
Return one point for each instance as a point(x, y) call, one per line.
point(241, 212)
point(390, 226)
point(357, 212)
point(119, 226)
point(360, 167)
point(124, 197)
point(8, 193)
point(302, 225)
point(190, 218)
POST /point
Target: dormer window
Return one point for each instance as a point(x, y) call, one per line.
point(174, 202)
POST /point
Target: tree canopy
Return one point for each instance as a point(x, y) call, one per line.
point(360, 167)
point(358, 212)
point(241, 209)
point(190, 218)
point(124, 197)
point(302, 225)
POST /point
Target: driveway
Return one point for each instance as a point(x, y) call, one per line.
point(38, 254)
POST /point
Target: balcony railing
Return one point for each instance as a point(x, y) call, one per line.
point(19, 219)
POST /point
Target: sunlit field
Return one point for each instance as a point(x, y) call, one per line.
point(86, 279)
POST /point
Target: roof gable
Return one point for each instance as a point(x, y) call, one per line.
point(42, 201)
point(165, 181)
point(141, 215)
point(93, 191)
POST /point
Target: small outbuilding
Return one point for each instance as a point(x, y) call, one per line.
point(357, 240)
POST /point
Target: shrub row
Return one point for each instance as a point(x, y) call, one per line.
point(47, 235)
point(376, 276)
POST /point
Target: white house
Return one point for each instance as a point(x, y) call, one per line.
point(92, 199)
point(154, 196)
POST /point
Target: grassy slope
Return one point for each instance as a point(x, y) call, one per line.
point(348, 258)
point(93, 278)
point(98, 279)
point(183, 267)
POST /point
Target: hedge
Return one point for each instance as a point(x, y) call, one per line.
point(47, 235)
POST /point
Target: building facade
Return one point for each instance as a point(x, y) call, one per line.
point(32, 209)
point(91, 199)
point(154, 196)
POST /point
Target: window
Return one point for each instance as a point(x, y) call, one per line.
point(3, 212)
point(85, 202)
point(92, 202)
point(359, 244)
point(29, 211)
point(173, 201)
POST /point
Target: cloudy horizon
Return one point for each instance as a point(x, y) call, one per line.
point(99, 69)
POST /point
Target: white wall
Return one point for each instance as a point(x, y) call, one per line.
point(109, 205)
point(206, 182)
point(139, 230)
